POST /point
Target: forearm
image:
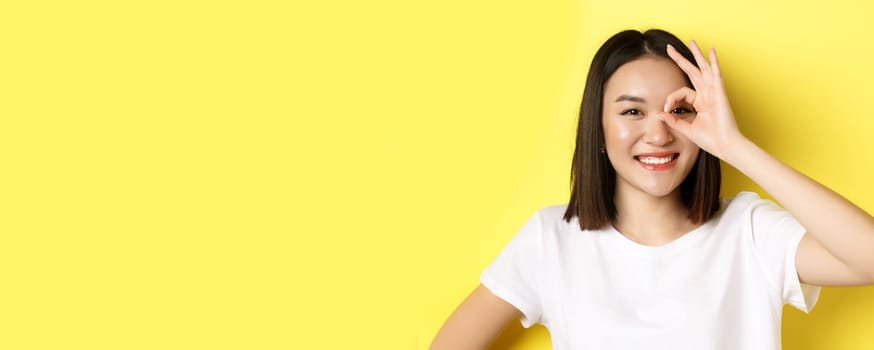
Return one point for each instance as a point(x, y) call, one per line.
point(841, 227)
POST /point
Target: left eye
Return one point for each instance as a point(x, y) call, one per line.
point(680, 110)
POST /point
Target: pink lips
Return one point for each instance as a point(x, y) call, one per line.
point(658, 167)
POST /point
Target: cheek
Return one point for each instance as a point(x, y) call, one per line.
point(617, 133)
point(692, 150)
point(688, 144)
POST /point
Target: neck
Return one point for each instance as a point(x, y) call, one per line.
point(651, 220)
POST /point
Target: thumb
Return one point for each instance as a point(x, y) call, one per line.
point(682, 126)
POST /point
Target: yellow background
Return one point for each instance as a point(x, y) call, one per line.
point(336, 174)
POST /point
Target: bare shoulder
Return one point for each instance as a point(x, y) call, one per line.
point(476, 322)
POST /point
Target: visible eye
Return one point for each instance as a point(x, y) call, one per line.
point(632, 111)
point(680, 110)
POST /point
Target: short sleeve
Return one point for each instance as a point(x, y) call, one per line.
point(776, 236)
point(512, 275)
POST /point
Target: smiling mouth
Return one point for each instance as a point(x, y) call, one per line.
point(653, 160)
point(657, 162)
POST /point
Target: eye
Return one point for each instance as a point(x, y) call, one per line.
point(632, 111)
point(681, 110)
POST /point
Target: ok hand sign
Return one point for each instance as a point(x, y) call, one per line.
point(714, 128)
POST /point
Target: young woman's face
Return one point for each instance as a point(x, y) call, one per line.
point(647, 154)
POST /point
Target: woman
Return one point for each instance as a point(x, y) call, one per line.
point(645, 254)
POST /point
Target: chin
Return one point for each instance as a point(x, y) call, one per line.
point(660, 190)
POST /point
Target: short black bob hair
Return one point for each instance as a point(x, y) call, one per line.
point(593, 179)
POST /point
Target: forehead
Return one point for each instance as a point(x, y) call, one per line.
point(648, 77)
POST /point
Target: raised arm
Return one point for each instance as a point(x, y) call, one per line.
point(839, 249)
point(476, 322)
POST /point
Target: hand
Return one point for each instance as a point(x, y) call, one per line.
point(713, 129)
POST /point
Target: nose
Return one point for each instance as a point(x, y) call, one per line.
point(657, 132)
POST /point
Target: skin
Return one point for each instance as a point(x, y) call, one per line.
point(634, 96)
point(837, 251)
point(839, 247)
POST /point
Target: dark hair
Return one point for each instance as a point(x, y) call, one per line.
point(593, 179)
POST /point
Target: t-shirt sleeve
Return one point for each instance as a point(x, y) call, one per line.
point(513, 276)
point(776, 236)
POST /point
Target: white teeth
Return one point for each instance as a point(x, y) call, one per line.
point(655, 160)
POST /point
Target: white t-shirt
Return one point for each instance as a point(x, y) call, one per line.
point(720, 286)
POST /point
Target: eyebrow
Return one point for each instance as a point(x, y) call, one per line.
point(630, 98)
